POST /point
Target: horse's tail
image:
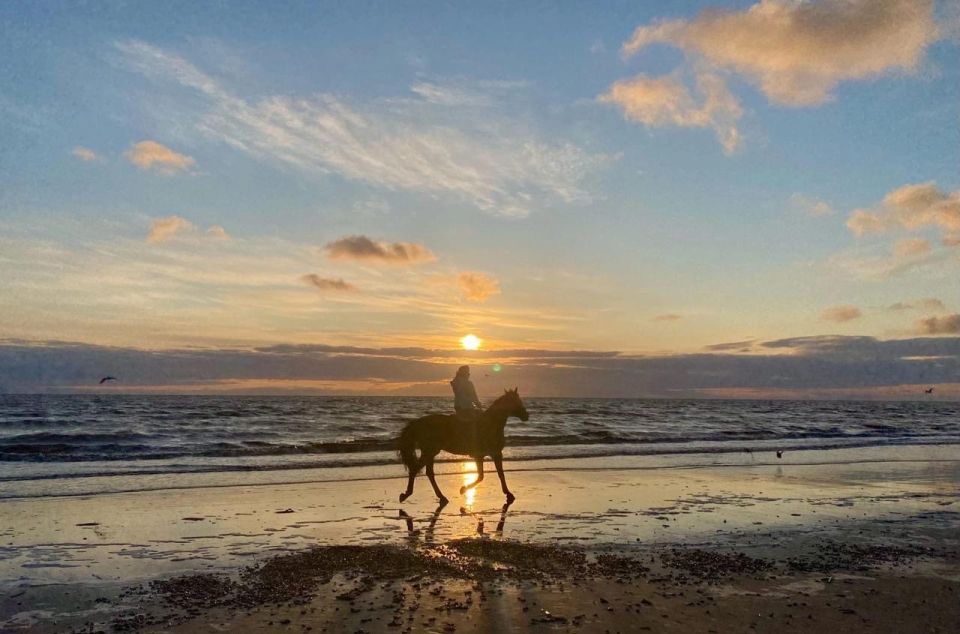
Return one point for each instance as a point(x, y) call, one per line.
point(407, 448)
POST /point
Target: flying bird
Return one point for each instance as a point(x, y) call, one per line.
point(929, 390)
point(107, 378)
point(780, 453)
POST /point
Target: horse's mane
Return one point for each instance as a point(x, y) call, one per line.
point(502, 399)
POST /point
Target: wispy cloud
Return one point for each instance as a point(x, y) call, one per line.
point(364, 249)
point(811, 206)
point(668, 317)
point(798, 52)
point(218, 232)
point(440, 140)
point(841, 313)
point(931, 304)
point(85, 154)
point(326, 283)
point(150, 155)
point(667, 101)
point(477, 286)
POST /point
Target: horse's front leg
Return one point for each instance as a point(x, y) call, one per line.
point(409, 491)
point(498, 462)
point(479, 479)
point(433, 480)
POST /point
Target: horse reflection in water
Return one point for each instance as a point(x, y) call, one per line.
point(428, 532)
point(475, 437)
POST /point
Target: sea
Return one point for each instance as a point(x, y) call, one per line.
point(84, 444)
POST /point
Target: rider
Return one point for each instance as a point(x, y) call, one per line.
point(465, 401)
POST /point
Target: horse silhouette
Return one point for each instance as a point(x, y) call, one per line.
point(476, 437)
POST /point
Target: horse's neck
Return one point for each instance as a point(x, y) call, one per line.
point(496, 416)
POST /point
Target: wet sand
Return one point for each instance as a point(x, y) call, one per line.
point(590, 545)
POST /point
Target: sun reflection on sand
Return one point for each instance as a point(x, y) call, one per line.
point(469, 475)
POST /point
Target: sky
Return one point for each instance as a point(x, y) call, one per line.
point(685, 199)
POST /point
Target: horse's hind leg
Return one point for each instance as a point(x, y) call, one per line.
point(498, 461)
point(479, 479)
point(433, 481)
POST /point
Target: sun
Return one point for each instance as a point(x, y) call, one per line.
point(470, 342)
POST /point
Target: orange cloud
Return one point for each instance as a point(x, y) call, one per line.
point(163, 229)
point(911, 246)
point(362, 248)
point(797, 52)
point(152, 155)
point(668, 317)
point(841, 313)
point(910, 207)
point(666, 101)
point(477, 287)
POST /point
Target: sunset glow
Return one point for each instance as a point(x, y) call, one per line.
point(652, 208)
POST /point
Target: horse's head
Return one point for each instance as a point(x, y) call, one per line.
point(513, 404)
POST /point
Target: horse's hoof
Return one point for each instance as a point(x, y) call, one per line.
point(463, 490)
point(510, 498)
point(404, 496)
point(443, 501)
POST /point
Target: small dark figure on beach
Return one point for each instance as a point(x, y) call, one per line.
point(929, 390)
point(477, 437)
point(779, 453)
point(465, 401)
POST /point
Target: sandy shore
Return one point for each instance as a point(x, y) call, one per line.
point(814, 541)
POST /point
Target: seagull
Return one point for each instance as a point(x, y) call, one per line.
point(780, 453)
point(929, 390)
point(107, 378)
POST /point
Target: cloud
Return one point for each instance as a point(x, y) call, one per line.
point(152, 155)
point(928, 304)
point(454, 140)
point(218, 232)
point(327, 284)
point(364, 249)
point(732, 346)
point(668, 317)
point(911, 246)
point(667, 101)
point(860, 365)
point(798, 52)
point(163, 229)
point(946, 325)
point(841, 313)
point(85, 154)
point(910, 207)
point(477, 286)
point(811, 206)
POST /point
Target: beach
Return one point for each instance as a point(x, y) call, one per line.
point(862, 538)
